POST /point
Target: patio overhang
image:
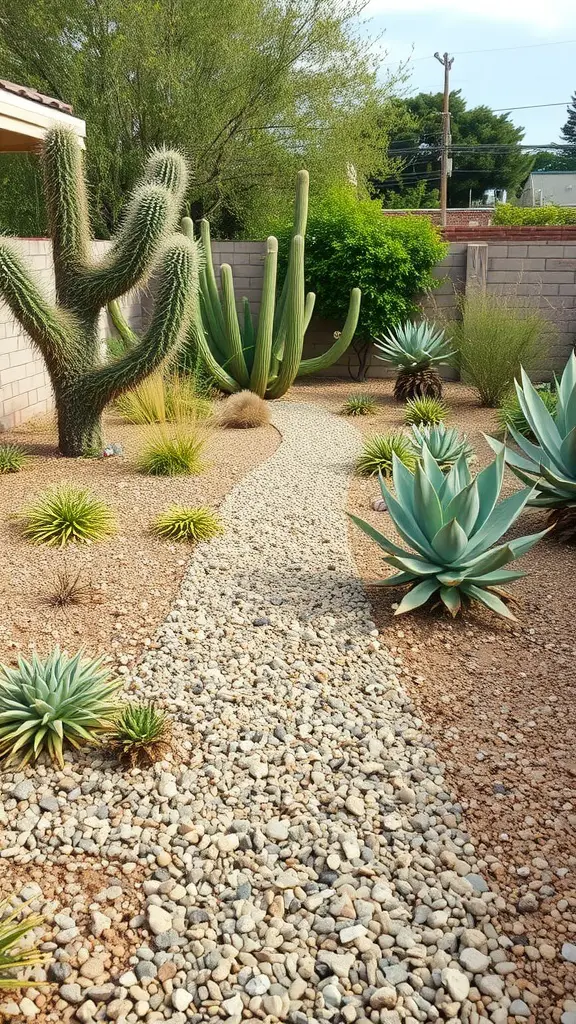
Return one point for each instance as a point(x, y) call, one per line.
point(26, 116)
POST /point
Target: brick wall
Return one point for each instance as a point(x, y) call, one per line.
point(473, 216)
point(511, 233)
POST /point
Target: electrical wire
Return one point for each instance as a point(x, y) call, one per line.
point(493, 49)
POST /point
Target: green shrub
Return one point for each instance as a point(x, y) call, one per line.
point(49, 703)
point(494, 338)
point(377, 454)
point(142, 734)
point(427, 411)
point(360, 405)
point(192, 524)
point(505, 213)
point(173, 454)
point(12, 458)
point(12, 931)
point(510, 414)
point(67, 515)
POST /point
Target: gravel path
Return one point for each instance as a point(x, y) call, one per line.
point(305, 862)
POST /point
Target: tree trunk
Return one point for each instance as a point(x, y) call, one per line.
point(79, 427)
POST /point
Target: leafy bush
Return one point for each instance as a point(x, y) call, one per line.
point(47, 704)
point(67, 515)
point(173, 454)
point(494, 338)
point(378, 453)
point(510, 413)
point(450, 523)
point(243, 410)
point(351, 241)
point(12, 931)
point(142, 734)
point(428, 411)
point(12, 458)
point(192, 524)
point(505, 213)
point(360, 405)
point(163, 399)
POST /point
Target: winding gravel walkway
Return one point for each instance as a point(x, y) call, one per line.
point(309, 863)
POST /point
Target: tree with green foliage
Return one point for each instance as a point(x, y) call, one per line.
point(569, 130)
point(474, 170)
point(66, 332)
point(554, 160)
point(250, 90)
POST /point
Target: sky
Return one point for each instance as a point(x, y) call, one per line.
point(529, 53)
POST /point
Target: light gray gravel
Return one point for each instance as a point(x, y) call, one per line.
point(304, 858)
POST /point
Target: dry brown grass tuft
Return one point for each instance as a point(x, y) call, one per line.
point(242, 410)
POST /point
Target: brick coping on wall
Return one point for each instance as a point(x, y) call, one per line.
point(512, 233)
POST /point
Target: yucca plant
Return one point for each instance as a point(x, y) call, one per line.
point(66, 515)
point(12, 458)
point(510, 413)
point(142, 734)
point(415, 350)
point(187, 524)
point(445, 444)
point(427, 411)
point(359, 405)
point(450, 523)
point(176, 454)
point(378, 451)
point(14, 928)
point(50, 703)
point(549, 463)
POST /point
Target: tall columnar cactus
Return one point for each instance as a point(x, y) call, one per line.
point(267, 357)
point(66, 332)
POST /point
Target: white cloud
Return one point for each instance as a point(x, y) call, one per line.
point(553, 16)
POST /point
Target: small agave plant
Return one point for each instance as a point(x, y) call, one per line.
point(549, 464)
point(445, 444)
point(13, 958)
point(415, 350)
point(450, 523)
point(48, 704)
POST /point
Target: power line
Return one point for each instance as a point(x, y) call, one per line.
point(493, 49)
point(531, 106)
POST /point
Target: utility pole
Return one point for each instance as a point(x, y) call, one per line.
point(445, 162)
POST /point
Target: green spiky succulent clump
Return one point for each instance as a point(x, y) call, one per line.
point(173, 455)
point(450, 523)
point(12, 458)
point(445, 444)
point(427, 411)
point(67, 515)
point(267, 357)
point(549, 463)
point(415, 349)
point(50, 703)
point(188, 524)
point(142, 734)
point(378, 452)
point(14, 928)
point(359, 405)
point(66, 332)
point(510, 413)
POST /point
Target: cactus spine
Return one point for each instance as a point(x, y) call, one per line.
point(66, 332)
point(269, 358)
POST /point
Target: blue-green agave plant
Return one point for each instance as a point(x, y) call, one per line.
point(549, 465)
point(451, 523)
point(415, 349)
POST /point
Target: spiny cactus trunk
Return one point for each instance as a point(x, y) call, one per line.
point(79, 427)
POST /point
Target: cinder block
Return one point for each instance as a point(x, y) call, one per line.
point(544, 251)
point(503, 277)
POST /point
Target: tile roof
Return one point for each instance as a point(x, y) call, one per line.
point(37, 97)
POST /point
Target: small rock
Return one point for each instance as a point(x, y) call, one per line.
point(159, 920)
point(258, 985)
point(355, 805)
point(569, 952)
point(518, 1008)
point(181, 999)
point(384, 998)
point(473, 960)
point(457, 983)
point(528, 903)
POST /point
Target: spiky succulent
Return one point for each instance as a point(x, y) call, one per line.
point(173, 455)
point(66, 515)
point(12, 458)
point(359, 405)
point(445, 444)
point(142, 734)
point(427, 411)
point(415, 349)
point(377, 453)
point(192, 524)
point(13, 928)
point(50, 703)
point(510, 414)
point(549, 463)
point(450, 522)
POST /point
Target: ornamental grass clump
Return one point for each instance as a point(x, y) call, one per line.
point(427, 411)
point(174, 454)
point(66, 515)
point(187, 524)
point(415, 350)
point(48, 704)
point(242, 411)
point(445, 444)
point(510, 415)
point(548, 464)
point(163, 399)
point(378, 452)
point(12, 458)
point(142, 734)
point(360, 405)
point(450, 523)
point(13, 929)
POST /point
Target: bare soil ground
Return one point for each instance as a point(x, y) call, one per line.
point(133, 576)
point(499, 700)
